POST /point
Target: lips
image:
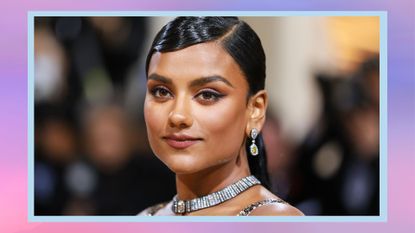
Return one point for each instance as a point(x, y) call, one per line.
point(181, 141)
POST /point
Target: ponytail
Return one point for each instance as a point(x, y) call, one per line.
point(258, 163)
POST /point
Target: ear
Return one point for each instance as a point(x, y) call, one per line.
point(257, 107)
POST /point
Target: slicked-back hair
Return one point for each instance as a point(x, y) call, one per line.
point(241, 42)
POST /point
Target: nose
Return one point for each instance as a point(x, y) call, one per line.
point(181, 116)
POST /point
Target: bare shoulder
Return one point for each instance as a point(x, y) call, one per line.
point(276, 209)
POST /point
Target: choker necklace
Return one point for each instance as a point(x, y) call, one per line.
point(216, 198)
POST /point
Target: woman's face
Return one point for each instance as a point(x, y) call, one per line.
point(196, 107)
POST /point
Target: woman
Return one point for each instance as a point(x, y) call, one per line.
point(204, 109)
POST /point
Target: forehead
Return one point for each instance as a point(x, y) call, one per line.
point(196, 61)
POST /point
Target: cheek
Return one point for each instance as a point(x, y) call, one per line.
point(226, 126)
point(153, 119)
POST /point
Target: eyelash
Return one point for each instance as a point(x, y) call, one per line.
point(214, 96)
point(156, 92)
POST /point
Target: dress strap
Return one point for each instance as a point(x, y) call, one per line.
point(152, 210)
point(247, 211)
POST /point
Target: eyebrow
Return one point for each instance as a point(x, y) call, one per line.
point(198, 82)
point(204, 80)
point(160, 78)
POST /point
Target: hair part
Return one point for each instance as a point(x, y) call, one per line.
point(235, 36)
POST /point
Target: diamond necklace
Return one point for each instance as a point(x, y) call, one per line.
point(216, 198)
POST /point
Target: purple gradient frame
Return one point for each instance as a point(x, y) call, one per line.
point(14, 114)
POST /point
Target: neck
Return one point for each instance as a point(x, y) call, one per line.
point(210, 180)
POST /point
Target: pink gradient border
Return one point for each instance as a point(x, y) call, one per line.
point(401, 114)
point(383, 114)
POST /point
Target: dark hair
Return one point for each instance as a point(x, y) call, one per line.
point(240, 41)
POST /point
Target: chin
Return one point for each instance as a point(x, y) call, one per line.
point(183, 170)
point(183, 164)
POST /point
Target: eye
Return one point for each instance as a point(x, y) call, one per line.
point(161, 93)
point(209, 96)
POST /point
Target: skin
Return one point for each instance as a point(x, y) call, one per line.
point(201, 92)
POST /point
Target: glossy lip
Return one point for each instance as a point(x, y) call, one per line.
point(180, 141)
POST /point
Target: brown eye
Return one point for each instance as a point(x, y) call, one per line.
point(209, 96)
point(161, 92)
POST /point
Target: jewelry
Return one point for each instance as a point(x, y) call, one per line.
point(216, 198)
point(247, 211)
point(253, 148)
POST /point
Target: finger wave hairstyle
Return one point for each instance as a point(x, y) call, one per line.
point(241, 42)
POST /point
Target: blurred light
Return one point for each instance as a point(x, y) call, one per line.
point(97, 86)
point(328, 159)
point(353, 37)
point(81, 179)
point(48, 77)
point(358, 188)
point(44, 182)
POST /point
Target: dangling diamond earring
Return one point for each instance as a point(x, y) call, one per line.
point(253, 148)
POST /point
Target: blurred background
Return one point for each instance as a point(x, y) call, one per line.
point(322, 131)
